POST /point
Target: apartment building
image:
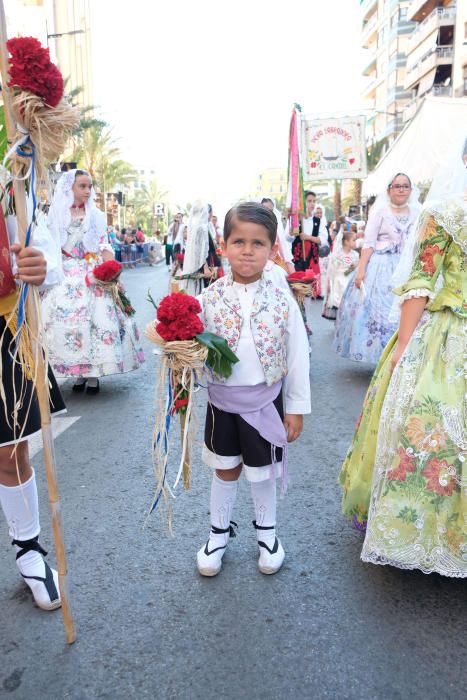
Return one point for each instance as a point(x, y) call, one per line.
point(386, 30)
point(437, 56)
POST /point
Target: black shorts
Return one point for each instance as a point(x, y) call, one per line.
point(28, 422)
point(229, 435)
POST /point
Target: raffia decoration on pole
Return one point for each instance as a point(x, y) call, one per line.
point(302, 290)
point(49, 129)
point(182, 361)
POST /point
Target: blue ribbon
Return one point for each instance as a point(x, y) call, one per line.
point(25, 286)
point(168, 419)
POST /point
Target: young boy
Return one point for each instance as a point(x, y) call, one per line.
point(254, 414)
point(18, 498)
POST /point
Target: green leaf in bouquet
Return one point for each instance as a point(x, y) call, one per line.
point(220, 357)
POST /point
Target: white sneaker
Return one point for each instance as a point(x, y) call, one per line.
point(209, 557)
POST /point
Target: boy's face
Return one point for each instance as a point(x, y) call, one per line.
point(248, 249)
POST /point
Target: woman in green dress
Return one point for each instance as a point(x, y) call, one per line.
point(405, 476)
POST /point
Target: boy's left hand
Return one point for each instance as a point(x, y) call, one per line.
point(293, 425)
point(31, 264)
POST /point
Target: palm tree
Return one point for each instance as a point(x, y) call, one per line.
point(144, 202)
point(96, 151)
point(375, 152)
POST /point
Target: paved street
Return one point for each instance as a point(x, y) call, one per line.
point(326, 626)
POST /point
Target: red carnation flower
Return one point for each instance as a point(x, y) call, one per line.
point(31, 69)
point(181, 329)
point(177, 306)
point(107, 271)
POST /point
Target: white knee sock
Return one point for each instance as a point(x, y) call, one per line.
point(264, 498)
point(223, 495)
point(21, 508)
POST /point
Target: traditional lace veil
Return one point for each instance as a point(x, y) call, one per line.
point(197, 245)
point(446, 202)
point(60, 216)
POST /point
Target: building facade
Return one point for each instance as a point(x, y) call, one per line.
point(386, 31)
point(272, 182)
point(430, 58)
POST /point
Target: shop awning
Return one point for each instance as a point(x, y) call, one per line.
point(421, 147)
point(426, 83)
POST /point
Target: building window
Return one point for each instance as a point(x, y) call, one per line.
point(402, 14)
point(465, 30)
point(394, 20)
point(465, 80)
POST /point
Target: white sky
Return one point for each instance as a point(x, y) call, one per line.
point(201, 91)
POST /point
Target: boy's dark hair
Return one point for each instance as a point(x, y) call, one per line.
point(310, 192)
point(267, 199)
point(254, 213)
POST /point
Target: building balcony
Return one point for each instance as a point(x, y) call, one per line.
point(420, 9)
point(412, 106)
point(370, 67)
point(440, 17)
point(369, 91)
point(368, 7)
point(441, 56)
point(369, 31)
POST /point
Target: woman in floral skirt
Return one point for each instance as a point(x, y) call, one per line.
point(88, 335)
point(404, 477)
point(363, 325)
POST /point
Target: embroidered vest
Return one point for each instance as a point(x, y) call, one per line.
point(222, 315)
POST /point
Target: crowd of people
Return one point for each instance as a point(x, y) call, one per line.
point(403, 478)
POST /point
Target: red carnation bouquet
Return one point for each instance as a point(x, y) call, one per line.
point(186, 349)
point(106, 276)
point(31, 70)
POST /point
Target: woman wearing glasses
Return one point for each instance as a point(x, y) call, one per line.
point(363, 325)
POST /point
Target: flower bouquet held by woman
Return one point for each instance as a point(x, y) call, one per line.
point(186, 352)
point(88, 320)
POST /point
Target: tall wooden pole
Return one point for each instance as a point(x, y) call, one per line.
point(42, 379)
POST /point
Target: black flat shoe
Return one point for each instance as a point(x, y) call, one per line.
point(93, 389)
point(79, 388)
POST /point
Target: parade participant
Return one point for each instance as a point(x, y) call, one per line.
point(254, 413)
point(285, 248)
point(305, 247)
point(179, 249)
point(139, 242)
point(342, 262)
point(406, 467)
point(201, 264)
point(170, 237)
point(18, 490)
point(89, 336)
point(363, 326)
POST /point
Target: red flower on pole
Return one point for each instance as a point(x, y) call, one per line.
point(178, 317)
point(31, 69)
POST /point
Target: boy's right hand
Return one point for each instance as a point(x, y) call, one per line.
point(293, 424)
point(31, 264)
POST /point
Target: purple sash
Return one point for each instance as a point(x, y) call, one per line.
point(255, 404)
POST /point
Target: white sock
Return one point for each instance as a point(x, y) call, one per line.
point(93, 381)
point(21, 508)
point(223, 495)
point(264, 498)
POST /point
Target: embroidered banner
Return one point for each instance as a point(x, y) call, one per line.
point(334, 149)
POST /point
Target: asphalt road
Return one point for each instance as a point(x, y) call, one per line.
point(327, 626)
